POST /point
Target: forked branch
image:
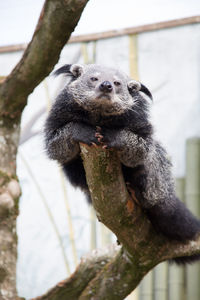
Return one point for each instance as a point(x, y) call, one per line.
point(142, 248)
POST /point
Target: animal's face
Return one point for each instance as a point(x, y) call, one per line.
point(99, 88)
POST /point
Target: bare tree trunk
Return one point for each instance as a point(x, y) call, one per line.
point(9, 194)
point(57, 20)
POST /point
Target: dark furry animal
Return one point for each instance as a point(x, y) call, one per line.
point(104, 106)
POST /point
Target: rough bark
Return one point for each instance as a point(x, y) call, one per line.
point(142, 248)
point(114, 207)
point(89, 266)
point(9, 194)
point(57, 20)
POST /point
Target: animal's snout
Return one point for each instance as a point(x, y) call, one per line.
point(106, 87)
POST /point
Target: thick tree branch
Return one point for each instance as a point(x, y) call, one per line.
point(56, 23)
point(142, 248)
point(89, 266)
point(57, 20)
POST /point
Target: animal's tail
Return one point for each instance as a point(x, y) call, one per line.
point(176, 222)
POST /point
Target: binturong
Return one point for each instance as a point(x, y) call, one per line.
point(104, 106)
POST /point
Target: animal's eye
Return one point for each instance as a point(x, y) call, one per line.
point(117, 83)
point(93, 78)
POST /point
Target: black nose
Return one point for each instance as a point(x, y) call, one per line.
point(106, 87)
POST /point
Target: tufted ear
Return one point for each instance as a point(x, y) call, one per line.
point(137, 86)
point(134, 85)
point(77, 70)
point(146, 91)
point(63, 70)
point(71, 70)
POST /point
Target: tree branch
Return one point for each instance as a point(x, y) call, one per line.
point(56, 23)
point(116, 209)
point(142, 248)
point(89, 266)
point(57, 20)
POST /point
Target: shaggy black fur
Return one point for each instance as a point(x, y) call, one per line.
point(144, 162)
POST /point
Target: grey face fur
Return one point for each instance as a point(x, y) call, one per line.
point(102, 89)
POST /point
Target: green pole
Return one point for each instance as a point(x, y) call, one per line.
point(93, 228)
point(146, 287)
point(160, 281)
point(176, 273)
point(106, 235)
point(193, 203)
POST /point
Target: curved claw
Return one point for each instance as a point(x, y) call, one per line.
point(95, 145)
point(98, 128)
point(99, 137)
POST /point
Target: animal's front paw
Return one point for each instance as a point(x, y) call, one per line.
point(85, 134)
point(100, 137)
point(110, 138)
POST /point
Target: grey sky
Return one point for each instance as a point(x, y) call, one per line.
point(18, 18)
